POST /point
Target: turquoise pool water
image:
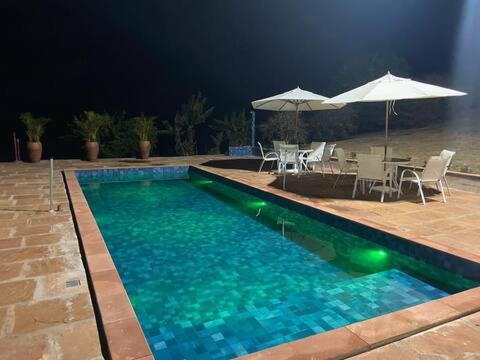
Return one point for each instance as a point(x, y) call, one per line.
point(215, 273)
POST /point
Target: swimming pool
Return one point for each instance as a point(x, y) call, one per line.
point(213, 272)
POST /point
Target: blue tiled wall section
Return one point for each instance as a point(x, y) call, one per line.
point(132, 174)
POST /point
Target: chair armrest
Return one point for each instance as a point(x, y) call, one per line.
point(271, 155)
point(414, 173)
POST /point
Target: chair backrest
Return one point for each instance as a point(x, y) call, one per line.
point(289, 154)
point(447, 154)
point(276, 145)
point(328, 152)
point(434, 169)
point(261, 149)
point(370, 166)
point(315, 144)
point(380, 150)
point(342, 160)
point(318, 150)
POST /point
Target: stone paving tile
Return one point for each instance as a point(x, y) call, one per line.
point(41, 247)
point(39, 317)
point(458, 339)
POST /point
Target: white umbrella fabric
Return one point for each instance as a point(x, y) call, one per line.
point(295, 100)
point(390, 88)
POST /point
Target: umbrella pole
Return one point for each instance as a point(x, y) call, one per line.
point(387, 112)
point(296, 123)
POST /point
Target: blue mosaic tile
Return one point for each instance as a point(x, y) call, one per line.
point(132, 174)
point(449, 262)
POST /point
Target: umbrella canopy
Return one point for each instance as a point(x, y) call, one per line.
point(295, 100)
point(391, 88)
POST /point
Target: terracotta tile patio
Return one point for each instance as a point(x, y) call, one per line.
point(39, 252)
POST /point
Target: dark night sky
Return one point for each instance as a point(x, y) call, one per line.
point(61, 57)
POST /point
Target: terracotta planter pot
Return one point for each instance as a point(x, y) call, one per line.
point(91, 150)
point(34, 151)
point(144, 149)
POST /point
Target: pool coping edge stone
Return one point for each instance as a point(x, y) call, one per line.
point(122, 331)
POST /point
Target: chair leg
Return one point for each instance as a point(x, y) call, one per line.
point(261, 166)
point(446, 184)
point(338, 178)
point(400, 188)
point(421, 192)
point(271, 167)
point(331, 167)
point(354, 188)
point(343, 177)
point(443, 192)
point(284, 177)
point(323, 169)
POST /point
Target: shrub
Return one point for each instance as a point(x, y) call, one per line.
point(187, 119)
point(145, 128)
point(35, 127)
point(117, 137)
point(88, 125)
point(283, 126)
point(234, 129)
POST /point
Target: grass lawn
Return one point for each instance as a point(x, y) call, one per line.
point(420, 144)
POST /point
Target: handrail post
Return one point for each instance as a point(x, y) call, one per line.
point(51, 185)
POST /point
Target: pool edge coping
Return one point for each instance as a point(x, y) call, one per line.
point(346, 341)
point(120, 326)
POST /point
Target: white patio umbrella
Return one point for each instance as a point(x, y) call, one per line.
point(391, 88)
point(295, 100)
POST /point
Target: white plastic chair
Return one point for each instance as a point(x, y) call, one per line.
point(343, 165)
point(314, 157)
point(271, 156)
point(447, 154)
point(288, 156)
point(372, 169)
point(432, 173)
point(277, 144)
point(326, 157)
point(380, 150)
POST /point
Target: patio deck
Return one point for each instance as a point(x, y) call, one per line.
point(39, 252)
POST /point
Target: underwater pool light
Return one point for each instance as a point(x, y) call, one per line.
point(376, 255)
point(204, 182)
point(256, 204)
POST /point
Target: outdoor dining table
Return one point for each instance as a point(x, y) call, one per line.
point(301, 153)
point(395, 163)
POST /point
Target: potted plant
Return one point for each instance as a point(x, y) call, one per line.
point(235, 128)
point(88, 126)
point(35, 127)
point(146, 131)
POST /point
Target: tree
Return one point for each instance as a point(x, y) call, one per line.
point(187, 119)
point(235, 129)
point(283, 126)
